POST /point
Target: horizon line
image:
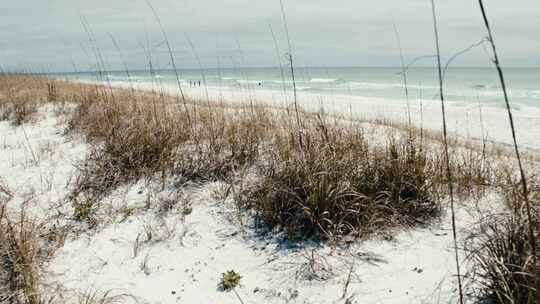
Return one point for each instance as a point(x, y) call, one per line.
point(254, 67)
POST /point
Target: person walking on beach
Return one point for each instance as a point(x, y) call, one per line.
point(199, 83)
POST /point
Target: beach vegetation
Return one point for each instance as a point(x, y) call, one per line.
point(229, 280)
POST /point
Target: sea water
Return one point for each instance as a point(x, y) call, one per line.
point(461, 85)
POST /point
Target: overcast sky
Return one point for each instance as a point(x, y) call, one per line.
point(49, 35)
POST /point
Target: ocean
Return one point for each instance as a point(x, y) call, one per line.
point(462, 85)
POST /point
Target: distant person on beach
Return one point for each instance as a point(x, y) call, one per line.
point(260, 83)
point(199, 83)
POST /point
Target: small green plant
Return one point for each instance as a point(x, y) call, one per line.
point(229, 280)
point(187, 210)
point(129, 211)
point(82, 209)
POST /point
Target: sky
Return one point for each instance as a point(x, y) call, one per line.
point(66, 35)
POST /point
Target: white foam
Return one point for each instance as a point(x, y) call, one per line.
point(323, 80)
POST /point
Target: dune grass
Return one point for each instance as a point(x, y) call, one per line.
point(332, 182)
point(508, 256)
point(20, 280)
point(317, 178)
point(325, 180)
point(501, 249)
point(329, 179)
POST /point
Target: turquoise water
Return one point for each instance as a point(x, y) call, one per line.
point(461, 84)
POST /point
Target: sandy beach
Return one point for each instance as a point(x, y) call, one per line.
point(187, 254)
point(272, 152)
point(464, 119)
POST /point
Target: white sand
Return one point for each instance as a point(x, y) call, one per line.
point(185, 258)
point(185, 267)
point(37, 163)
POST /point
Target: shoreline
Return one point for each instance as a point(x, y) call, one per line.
point(463, 119)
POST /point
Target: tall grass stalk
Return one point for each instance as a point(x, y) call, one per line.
point(446, 154)
point(199, 63)
point(173, 63)
point(245, 76)
point(482, 129)
point(290, 57)
point(456, 55)
point(126, 69)
point(525, 190)
point(421, 93)
point(332, 96)
point(148, 53)
point(86, 28)
point(238, 71)
point(203, 75)
point(218, 62)
point(152, 75)
point(280, 65)
point(220, 75)
point(100, 62)
point(403, 72)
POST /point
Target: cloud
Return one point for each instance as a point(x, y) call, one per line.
point(49, 34)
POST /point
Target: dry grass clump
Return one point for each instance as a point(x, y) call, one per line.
point(508, 183)
point(94, 296)
point(315, 181)
point(19, 261)
point(503, 254)
point(324, 181)
point(22, 95)
point(135, 135)
point(330, 182)
point(236, 144)
point(18, 113)
point(140, 136)
point(17, 102)
point(97, 112)
point(473, 173)
point(320, 181)
point(132, 145)
point(504, 262)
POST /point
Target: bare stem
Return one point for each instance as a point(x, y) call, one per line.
point(290, 57)
point(447, 157)
point(403, 73)
point(158, 20)
point(516, 149)
point(282, 73)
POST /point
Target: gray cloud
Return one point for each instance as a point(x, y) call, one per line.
point(49, 35)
